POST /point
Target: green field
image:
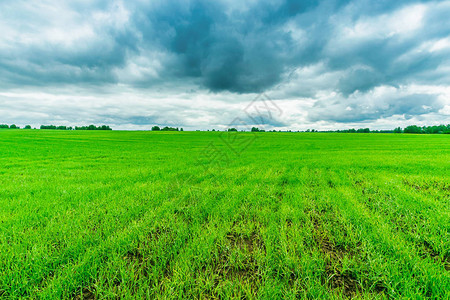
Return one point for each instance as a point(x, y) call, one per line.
point(116, 214)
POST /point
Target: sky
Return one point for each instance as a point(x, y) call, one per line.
point(203, 64)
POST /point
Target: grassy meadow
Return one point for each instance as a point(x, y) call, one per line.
point(116, 214)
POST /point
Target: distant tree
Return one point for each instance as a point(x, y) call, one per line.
point(446, 129)
point(437, 129)
point(181, 129)
point(13, 126)
point(27, 127)
point(4, 126)
point(90, 127)
point(167, 128)
point(363, 130)
point(255, 129)
point(398, 130)
point(413, 129)
point(232, 129)
point(156, 128)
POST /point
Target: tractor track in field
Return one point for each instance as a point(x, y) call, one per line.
point(249, 271)
point(139, 258)
point(86, 294)
point(430, 252)
point(424, 249)
point(334, 254)
point(350, 283)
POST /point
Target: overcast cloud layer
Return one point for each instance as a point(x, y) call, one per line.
point(198, 64)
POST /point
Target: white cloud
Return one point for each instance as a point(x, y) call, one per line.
point(403, 21)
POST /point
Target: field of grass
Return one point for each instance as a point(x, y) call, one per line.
point(108, 215)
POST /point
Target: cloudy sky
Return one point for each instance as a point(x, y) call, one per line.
point(199, 64)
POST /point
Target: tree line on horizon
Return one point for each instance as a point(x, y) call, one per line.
point(437, 129)
point(90, 127)
point(166, 128)
point(54, 127)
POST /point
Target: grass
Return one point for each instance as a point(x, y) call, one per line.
point(87, 215)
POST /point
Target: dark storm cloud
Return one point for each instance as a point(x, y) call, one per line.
point(359, 79)
point(233, 51)
point(249, 50)
point(233, 46)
